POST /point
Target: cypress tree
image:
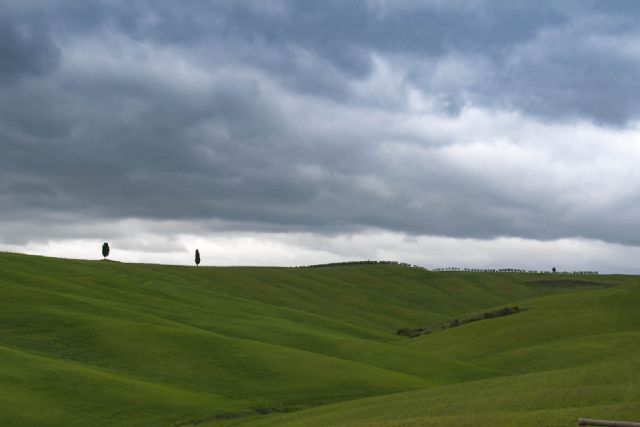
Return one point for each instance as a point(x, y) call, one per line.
point(105, 250)
point(197, 257)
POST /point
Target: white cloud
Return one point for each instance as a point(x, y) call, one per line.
point(294, 249)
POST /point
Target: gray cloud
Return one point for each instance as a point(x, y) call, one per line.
point(25, 47)
point(328, 117)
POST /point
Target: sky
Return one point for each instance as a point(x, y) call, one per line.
point(436, 132)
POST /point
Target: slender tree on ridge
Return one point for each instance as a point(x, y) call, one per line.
point(197, 257)
point(105, 250)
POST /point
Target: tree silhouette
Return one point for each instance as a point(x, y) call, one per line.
point(197, 257)
point(553, 269)
point(105, 250)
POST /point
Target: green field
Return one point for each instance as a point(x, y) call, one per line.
point(95, 343)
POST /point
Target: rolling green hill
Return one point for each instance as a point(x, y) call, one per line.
point(103, 344)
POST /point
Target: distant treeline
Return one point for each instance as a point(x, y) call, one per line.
point(334, 264)
point(512, 270)
point(416, 332)
point(449, 269)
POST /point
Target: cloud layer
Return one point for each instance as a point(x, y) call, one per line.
point(480, 120)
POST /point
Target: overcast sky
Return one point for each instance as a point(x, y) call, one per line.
point(469, 133)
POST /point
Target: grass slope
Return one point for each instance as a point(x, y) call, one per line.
point(103, 343)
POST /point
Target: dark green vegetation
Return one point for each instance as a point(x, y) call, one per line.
point(108, 344)
point(105, 250)
point(491, 314)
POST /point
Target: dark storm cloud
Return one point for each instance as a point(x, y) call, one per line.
point(25, 46)
point(271, 115)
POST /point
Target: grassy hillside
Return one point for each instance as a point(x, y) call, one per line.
point(104, 343)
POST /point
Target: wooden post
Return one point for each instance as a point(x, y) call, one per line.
point(582, 422)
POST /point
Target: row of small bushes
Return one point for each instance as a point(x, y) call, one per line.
point(511, 270)
point(454, 323)
point(334, 264)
